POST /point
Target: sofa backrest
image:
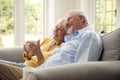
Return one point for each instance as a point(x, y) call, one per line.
point(111, 46)
point(14, 54)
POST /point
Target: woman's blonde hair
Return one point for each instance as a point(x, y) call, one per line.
point(62, 22)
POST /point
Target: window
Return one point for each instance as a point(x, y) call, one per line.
point(105, 16)
point(6, 23)
point(11, 19)
point(33, 19)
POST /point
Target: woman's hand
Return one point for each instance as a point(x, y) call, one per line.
point(38, 51)
point(32, 47)
point(29, 47)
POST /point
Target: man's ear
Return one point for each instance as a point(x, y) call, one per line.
point(81, 18)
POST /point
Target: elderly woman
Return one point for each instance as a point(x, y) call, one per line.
point(35, 54)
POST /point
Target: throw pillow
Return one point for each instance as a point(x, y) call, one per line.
point(111, 43)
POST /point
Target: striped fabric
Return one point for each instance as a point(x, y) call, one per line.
point(9, 72)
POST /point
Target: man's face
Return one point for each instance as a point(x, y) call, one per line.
point(73, 23)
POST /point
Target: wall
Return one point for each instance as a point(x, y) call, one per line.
point(62, 7)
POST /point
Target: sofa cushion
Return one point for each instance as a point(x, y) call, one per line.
point(111, 44)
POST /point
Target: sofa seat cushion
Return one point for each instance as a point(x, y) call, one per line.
point(111, 44)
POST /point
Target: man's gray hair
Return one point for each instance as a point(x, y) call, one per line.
point(78, 13)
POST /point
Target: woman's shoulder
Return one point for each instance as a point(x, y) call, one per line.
point(46, 40)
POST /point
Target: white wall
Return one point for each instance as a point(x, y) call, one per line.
point(62, 7)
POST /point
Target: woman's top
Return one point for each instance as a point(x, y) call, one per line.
point(32, 60)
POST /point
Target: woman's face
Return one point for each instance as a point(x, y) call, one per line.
point(59, 32)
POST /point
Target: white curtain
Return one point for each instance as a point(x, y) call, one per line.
point(118, 14)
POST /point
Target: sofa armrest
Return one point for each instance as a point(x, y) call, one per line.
point(107, 70)
point(14, 54)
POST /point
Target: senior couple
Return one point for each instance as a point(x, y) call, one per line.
point(72, 42)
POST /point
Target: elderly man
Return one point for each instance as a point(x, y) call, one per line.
point(81, 44)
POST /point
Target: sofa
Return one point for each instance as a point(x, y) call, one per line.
point(107, 68)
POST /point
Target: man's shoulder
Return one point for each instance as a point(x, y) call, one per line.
point(87, 33)
point(90, 32)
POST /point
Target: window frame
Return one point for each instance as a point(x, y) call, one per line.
point(19, 22)
point(112, 25)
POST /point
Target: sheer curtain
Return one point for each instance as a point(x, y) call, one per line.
point(118, 14)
